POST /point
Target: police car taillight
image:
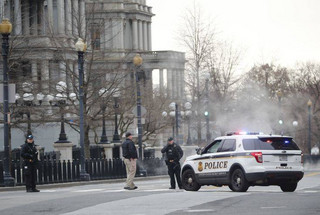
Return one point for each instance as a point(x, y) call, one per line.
point(257, 156)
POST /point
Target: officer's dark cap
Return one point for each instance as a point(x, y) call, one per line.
point(170, 139)
point(30, 137)
point(128, 134)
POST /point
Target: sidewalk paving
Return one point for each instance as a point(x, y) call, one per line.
point(80, 183)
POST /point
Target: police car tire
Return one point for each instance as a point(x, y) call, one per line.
point(194, 185)
point(238, 182)
point(290, 187)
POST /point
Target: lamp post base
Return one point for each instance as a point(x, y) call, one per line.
point(84, 176)
point(8, 181)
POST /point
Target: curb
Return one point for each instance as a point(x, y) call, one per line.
point(80, 183)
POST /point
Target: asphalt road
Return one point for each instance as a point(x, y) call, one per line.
point(153, 197)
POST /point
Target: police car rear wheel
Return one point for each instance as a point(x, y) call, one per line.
point(291, 187)
point(189, 182)
point(238, 181)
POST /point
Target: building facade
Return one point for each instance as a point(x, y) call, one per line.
point(43, 53)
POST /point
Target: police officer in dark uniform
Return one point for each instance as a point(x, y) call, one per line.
point(173, 155)
point(29, 154)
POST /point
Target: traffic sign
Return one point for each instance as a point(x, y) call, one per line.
point(135, 112)
point(11, 91)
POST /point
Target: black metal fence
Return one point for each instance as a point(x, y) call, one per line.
point(51, 171)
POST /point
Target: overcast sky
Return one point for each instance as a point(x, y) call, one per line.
point(281, 31)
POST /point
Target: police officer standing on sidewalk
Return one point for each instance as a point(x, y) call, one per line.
point(29, 154)
point(130, 155)
point(173, 155)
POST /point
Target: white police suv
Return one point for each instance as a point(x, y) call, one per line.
point(240, 160)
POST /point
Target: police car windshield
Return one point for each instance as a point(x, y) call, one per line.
point(270, 143)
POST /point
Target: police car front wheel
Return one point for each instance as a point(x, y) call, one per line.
point(189, 182)
point(238, 181)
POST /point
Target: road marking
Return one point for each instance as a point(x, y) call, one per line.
point(91, 190)
point(199, 211)
point(312, 174)
point(277, 207)
point(48, 191)
point(310, 191)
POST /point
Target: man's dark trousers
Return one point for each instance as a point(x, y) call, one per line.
point(174, 169)
point(30, 176)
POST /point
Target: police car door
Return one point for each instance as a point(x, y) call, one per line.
point(205, 168)
point(223, 160)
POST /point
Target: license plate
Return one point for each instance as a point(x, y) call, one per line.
point(283, 158)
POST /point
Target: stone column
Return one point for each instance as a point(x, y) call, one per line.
point(34, 18)
point(108, 150)
point(34, 71)
point(65, 150)
point(107, 34)
point(26, 16)
point(174, 83)
point(134, 34)
point(177, 83)
point(50, 16)
point(182, 83)
point(120, 34)
point(140, 35)
point(45, 74)
point(68, 17)
point(75, 15)
point(149, 36)
point(1, 10)
point(83, 18)
point(69, 77)
point(169, 83)
point(76, 72)
point(17, 17)
point(62, 72)
point(61, 19)
point(145, 36)
point(7, 9)
point(161, 81)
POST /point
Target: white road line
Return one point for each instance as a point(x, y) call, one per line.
point(91, 190)
point(310, 191)
point(277, 207)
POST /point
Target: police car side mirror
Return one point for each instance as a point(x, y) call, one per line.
point(198, 150)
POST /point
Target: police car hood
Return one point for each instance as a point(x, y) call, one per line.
point(192, 157)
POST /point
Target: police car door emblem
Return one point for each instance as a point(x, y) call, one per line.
point(200, 167)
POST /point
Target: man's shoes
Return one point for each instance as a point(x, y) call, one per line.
point(33, 190)
point(172, 188)
point(131, 188)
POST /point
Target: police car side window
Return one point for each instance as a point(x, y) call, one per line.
point(228, 145)
point(214, 147)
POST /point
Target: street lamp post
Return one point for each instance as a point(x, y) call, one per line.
point(103, 94)
point(188, 114)
point(309, 127)
point(137, 61)
point(5, 30)
point(116, 136)
point(81, 48)
point(61, 102)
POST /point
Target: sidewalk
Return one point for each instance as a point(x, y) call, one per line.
point(80, 183)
